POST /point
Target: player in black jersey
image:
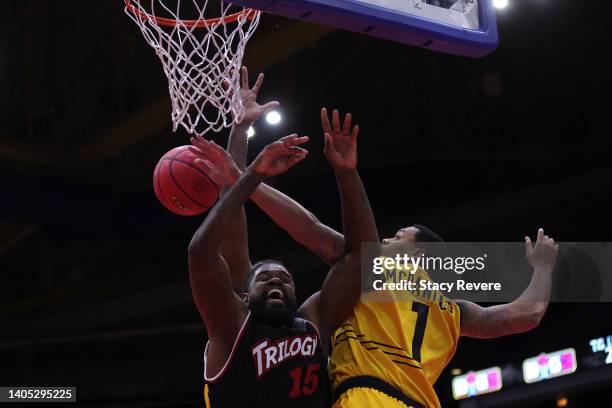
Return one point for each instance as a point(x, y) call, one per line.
point(263, 350)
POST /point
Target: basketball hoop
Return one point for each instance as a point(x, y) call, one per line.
point(201, 56)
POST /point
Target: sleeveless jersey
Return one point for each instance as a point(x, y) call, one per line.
point(404, 339)
point(271, 366)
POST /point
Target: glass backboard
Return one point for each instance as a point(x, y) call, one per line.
point(462, 27)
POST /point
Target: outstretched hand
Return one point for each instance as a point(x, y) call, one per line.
point(543, 253)
point(216, 162)
point(340, 143)
point(280, 156)
point(252, 109)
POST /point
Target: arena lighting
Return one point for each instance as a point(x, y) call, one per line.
point(456, 371)
point(561, 402)
point(500, 4)
point(250, 132)
point(273, 117)
point(549, 365)
point(477, 383)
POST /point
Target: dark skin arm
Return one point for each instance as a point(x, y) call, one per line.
point(524, 313)
point(341, 150)
point(300, 224)
point(211, 282)
point(342, 286)
point(235, 249)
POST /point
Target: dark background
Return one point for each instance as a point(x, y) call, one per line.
point(93, 278)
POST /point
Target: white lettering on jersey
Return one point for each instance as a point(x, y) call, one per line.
point(268, 355)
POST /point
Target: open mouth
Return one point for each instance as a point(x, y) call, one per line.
point(276, 293)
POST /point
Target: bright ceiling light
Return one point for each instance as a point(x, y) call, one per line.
point(273, 117)
point(500, 4)
point(250, 132)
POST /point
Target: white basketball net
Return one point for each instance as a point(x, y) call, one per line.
point(198, 56)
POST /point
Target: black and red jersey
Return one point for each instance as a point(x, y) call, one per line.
point(271, 366)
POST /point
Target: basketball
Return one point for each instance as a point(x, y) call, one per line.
point(181, 186)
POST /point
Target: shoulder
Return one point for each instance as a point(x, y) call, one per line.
point(306, 326)
point(309, 310)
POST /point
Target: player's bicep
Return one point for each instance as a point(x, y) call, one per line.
point(340, 292)
point(213, 293)
point(309, 310)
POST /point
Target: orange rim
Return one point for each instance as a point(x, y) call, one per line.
point(168, 22)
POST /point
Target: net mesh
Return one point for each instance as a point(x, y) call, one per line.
point(200, 44)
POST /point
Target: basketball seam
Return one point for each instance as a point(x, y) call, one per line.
point(196, 169)
point(182, 189)
point(161, 193)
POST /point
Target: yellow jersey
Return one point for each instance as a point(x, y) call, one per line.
point(404, 338)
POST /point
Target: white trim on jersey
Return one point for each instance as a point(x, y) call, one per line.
point(229, 359)
point(314, 326)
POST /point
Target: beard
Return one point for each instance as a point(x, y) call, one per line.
point(273, 315)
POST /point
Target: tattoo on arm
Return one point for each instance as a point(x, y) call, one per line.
point(496, 321)
point(331, 253)
point(300, 223)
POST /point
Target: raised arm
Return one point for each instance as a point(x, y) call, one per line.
point(235, 249)
point(287, 213)
point(211, 282)
point(342, 286)
point(341, 151)
point(524, 313)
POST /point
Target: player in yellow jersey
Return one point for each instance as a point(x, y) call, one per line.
point(395, 344)
point(391, 351)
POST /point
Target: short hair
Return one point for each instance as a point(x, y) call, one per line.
point(256, 266)
point(427, 235)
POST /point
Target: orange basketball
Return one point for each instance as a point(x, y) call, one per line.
point(181, 186)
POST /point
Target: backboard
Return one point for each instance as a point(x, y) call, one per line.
point(462, 27)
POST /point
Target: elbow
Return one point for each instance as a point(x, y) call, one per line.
point(537, 314)
point(532, 318)
point(193, 254)
point(193, 248)
point(531, 322)
point(311, 223)
point(312, 218)
point(197, 251)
